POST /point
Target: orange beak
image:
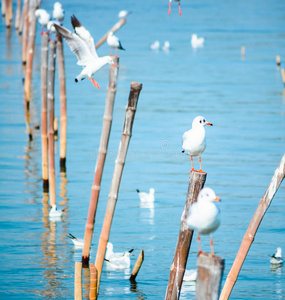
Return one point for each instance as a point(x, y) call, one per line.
point(217, 199)
point(114, 65)
point(210, 124)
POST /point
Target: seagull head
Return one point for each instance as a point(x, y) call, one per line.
point(207, 195)
point(200, 121)
point(278, 252)
point(111, 61)
point(109, 246)
point(57, 4)
point(151, 191)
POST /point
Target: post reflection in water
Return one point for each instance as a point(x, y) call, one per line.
point(134, 289)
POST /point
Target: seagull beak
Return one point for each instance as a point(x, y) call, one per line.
point(114, 65)
point(217, 199)
point(210, 124)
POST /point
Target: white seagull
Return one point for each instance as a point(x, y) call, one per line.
point(58, 12)
point(114, 42)
point(82, 44)
point(169, 9)
point(197, 42)
point(122, 262)
point(166, 46)
point(194, 140)
point(204, 215)
point(155, 45)
point(123, 14)
point(78, 243)
point(110, 255)
point(276, 259)
point(54, 212)
point(43, 18)
point(147, 197)
point(190, 275)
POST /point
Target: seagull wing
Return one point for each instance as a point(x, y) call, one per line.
point(77, 45)
point(185, 136)
point(84, 34)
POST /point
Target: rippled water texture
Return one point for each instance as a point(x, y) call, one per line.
point(242, 97)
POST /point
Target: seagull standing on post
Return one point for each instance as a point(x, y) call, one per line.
point(114, 42)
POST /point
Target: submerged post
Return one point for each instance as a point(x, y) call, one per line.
point(51, 71)
point(44, 70)
point(117, 174)
point(262, 207)
point(210, 273)
point(177, 270)
point(93, 282)
point(102, 152)
point(62, 91)
point(78, 281)
point(137, 267)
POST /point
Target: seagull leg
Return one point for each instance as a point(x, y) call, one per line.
point(169, 10)
point(200, 171)
point(199, 245)
point(192, 165)
point(179, 8)
point(116, 52)
point(94, 82)
point(212, 246)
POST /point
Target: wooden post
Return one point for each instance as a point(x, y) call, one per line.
point(62, 96)
point(9, 13)
point(177, 270)
point(278, 60)
point(93, 282)
point(102, 152)
point(30, 50)
point(210, 274)
point(262, 207)
point(51, 71)
point(23, 17)
point(3, 8)
point(25, 28)
point(44, 70)
point(117, 174)
point(283, 76)
point(78, 281)
point(137, 266)
point(116, 27)
point(55, 128)
point(18, 14)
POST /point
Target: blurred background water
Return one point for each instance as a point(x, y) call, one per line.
point(242, 97)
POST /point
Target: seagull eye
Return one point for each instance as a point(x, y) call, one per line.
point(204, 120)
point(200, 121)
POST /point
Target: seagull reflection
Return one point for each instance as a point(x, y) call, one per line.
point(148, 212)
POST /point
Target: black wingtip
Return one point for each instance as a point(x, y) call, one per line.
point(74, 21)
point(183, 151)
point(131, 250)
point(71, 236)
point(138, 190)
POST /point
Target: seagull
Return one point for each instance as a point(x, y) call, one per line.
point(276, 259)
point(114, 42)
point(122, 262)
point(110, 255)
point(123, 14)
point(197, 42)
point(169, 10)
point(144, 197)
point(155, 45)
point(78, 243)
point(82, 44)
point(54, 212)
point(194, 140)
point(43, 18)
point(58, 12)
point(204, 215)
point(190, 275)
point(166, 46)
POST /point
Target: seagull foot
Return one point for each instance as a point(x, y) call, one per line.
point(94, 82)
point(192, 170)
point(200, 171)
point(201, 252)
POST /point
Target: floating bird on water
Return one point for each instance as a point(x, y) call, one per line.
point(122, 262)
point(155, 45)
point(114, 42)
point(169, 10)
point(58, 12)
point(43, 18)
point(110, 255)
point(204, 215)
point(82, 44)
point(123, 14)
point(166, 46)
point(78, 243)
point(194, 140)
point(197, 42)
point(190, 275)
point(147, 197)
point(276, 259)
point(54, 212)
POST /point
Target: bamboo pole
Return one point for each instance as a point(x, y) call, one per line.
point(25, 28)
point(3, 8)
point(102, 152)
point(116, 27)
point(210, 273)
point(137, 266)
point(117, 174)
point(51, 71)
point(30, 49)
point(18, 14)
point(44, 70)
point(93, 282)
point(283, 76)
point(9, 13)
point(177, 270)
point(278, 60)
point(78, 281)
point(62, 90)
point(55, 128)
point(23, 17)
point(262, 207)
